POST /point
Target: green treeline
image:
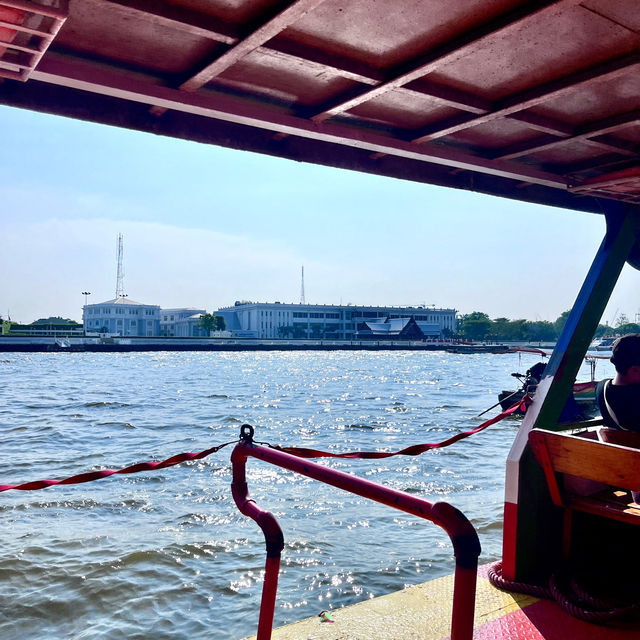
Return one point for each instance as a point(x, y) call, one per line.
point(478, 326)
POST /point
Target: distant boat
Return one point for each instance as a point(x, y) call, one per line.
point(477, 348)
point(603, 344)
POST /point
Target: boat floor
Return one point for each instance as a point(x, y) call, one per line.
point(424, 612)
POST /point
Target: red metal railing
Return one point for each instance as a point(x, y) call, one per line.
point(463, 536)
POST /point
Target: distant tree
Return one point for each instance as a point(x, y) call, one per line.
point(629, 327)
point(500, 328)
point(621, 320)
point(602, 330)
point(210, 322)
point(517, 330)
point(560, 321)
point(540, 330)
point(475, 326)
point(56, 320)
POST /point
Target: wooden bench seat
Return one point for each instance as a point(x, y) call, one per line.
point(591, 472)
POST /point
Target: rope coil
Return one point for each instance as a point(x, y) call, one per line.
point(571, 598)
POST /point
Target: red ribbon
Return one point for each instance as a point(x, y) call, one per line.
point(96, 475)
point(414, 450)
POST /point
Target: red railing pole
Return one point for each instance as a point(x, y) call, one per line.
point(463, 536)
point(466, 548)
point(273, 538)
point(464, 595)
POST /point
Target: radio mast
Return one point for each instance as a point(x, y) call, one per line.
point(120, 275)
point(302, 300)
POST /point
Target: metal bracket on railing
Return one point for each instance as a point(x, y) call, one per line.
point(246, 433)
point(461, 532)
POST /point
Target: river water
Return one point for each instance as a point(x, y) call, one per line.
point(166, 553)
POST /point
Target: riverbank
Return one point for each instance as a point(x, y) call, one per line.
point(29, 344)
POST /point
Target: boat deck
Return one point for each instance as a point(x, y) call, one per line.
point(424, 612)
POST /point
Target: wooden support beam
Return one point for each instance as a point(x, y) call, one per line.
point(81, 75)
point(533, 97)
point(262, 34)
point(180, 18)
point(465, 45)
point(593, 132)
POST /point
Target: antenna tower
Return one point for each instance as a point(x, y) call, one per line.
point(302, 300)
point(120, 275)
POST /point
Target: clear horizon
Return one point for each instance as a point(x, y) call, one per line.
point(204, 226)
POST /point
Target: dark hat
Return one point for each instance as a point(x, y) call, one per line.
point(626, 352)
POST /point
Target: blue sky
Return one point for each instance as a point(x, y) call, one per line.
point(205, 226)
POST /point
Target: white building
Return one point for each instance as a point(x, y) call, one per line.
point(122, 316)
point(330, 322)
point(182, 323)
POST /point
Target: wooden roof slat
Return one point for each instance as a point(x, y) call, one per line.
point(262, 34)
point(462, 100)
point(183, 19)
point(203, 25)
point(453, 50)
point(12, 75)
point(543, 123)
point(533, 97)
point(17, 47)
point(619, 145)
point(600, 163)
point(20, 60)
point(24, 29)
point(28, 57)
point(49, 11)
point(345, 67)
point(585, 132)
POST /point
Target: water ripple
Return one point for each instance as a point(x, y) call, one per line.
point(167, 552)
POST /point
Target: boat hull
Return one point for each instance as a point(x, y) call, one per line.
point(584, 393)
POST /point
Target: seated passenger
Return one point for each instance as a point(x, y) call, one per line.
point(619, 398)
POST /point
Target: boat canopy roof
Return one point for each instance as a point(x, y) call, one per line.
point(533, 100)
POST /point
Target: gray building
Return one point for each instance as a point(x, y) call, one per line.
point(268, 320)
point(123, 317)
point(182, 323)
